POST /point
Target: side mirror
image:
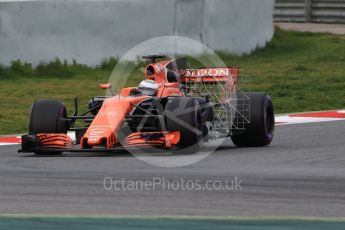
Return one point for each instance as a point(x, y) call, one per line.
point(105, 86)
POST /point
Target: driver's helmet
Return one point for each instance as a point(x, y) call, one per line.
point(148, 87)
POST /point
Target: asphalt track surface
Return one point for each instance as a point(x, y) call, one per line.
point(302, 174)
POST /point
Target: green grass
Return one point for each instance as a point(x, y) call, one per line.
point(301, 71)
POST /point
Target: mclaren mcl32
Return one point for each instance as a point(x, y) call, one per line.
point(175, 107)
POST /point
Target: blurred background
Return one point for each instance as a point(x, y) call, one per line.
point(292, 49)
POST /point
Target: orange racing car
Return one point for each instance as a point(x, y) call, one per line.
point(175, 108)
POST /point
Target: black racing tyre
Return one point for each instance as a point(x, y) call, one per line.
point(184, 114)
point(48, 116)
point(260, 131)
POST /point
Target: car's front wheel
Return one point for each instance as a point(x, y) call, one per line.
point(183, 114)
point(48, 116)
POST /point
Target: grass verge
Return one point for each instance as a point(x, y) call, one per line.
point(301, 71)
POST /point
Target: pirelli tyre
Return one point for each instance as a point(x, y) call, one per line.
point(48, 116)
point(183, 114)
point(258, 107)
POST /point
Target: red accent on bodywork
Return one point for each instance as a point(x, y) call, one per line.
point(210, 75)
point(54, 140)
point(167, 139)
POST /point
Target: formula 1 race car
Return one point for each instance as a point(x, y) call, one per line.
point(175, 108)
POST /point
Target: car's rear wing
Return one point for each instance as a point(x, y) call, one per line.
point(219, 86)
point(210, 75)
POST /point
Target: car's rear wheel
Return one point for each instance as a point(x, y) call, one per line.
point(183, 114)
point(48, 116)
point(260, 130)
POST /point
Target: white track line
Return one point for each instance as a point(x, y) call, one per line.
point(4, 144)
point(287, 120)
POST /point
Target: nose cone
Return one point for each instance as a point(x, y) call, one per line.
point(103, 129)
